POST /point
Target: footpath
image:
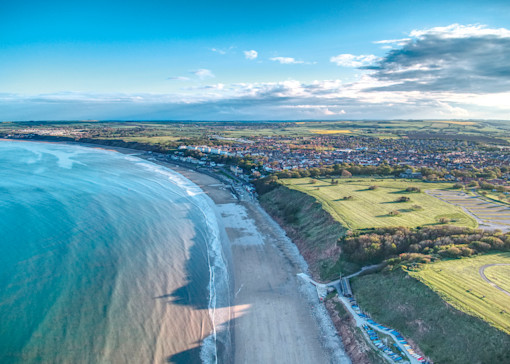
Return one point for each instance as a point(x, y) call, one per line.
point(370, 329)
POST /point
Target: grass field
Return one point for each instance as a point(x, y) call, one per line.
point(371, 208)
point(333, 131)
point(500, 275)
point(442, 332)
point(456, 122)
point(459, 283)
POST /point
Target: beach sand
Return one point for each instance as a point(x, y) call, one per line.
point(273, 321)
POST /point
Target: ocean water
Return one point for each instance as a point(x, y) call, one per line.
point(106, 258)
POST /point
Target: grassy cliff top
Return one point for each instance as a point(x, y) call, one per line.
point(356, 206)
point(460, 283)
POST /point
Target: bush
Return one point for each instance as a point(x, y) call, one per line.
point(267, 184)
point(346, 173)
point(467, 252)
point(348, 197)
point(480, 246)
point(417, 207)
point(458, 186)
point(394, 213)
point(413, 189)
point(452, 252)
point(444, 220)
point(373, 187)
point(403, 199)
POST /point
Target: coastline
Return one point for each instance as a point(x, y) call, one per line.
point(270, 304)
point(273, 316)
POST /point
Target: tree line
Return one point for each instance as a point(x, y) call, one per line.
point(397, 245)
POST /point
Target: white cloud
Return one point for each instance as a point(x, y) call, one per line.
point(393, 41)
point(252, 54)
point(220, 51)
point(461, 31)
point(265, 100)
point(203, 73)
point(286, 60)
point(350, 60)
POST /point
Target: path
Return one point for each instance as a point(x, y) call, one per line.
point(482, 273)
point(360, 320)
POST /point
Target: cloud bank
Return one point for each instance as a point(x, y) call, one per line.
point(456, 58)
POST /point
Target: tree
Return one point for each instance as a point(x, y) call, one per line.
point(346, 173)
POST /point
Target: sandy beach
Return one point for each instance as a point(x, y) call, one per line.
point(275, 320)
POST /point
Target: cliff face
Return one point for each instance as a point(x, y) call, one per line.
point(311, 228)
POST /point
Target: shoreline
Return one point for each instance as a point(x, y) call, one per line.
point(273, 316)
point(323, 343)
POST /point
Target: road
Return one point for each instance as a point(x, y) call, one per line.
point(482, 274)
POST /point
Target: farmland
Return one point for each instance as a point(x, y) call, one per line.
point(459, 283)
point(356, 206)
point(376, 129)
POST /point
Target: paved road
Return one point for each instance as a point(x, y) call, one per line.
point(482, 273)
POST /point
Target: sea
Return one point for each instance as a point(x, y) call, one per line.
point(107, 258)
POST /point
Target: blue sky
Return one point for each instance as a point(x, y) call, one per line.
point(247, 60)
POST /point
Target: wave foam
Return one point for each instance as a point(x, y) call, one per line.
point(218, 272)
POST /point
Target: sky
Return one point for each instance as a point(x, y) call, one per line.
point(254, 60)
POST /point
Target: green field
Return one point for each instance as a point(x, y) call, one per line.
point(500, 275)
point(371, 208)
point(443, 333)
point(459, 283)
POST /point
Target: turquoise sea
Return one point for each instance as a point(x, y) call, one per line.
point(105, 258)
